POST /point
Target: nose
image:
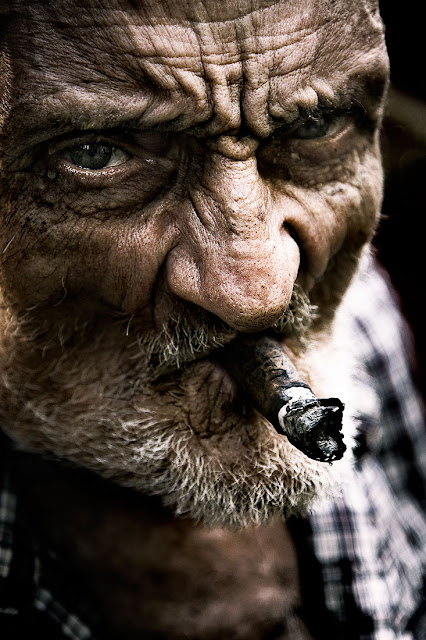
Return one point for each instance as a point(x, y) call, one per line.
point(236, 257)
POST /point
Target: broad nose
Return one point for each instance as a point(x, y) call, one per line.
point(236, 257)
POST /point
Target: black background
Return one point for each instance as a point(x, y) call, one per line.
point(401, 240)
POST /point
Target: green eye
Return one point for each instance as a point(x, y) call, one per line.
point(95, 156)
point(319, 127)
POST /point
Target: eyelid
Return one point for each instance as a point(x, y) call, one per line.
point(335, 124)
point(140, 144)
point(285, 155)
point(147, 159)
point(54, 147)
point(320, 112)
point(117, 156)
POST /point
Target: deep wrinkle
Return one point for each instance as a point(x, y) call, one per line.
point(222, 233)
point(37, 128)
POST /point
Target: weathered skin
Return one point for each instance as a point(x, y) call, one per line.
point(214, 208)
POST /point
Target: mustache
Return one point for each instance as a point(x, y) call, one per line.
point(192, 333)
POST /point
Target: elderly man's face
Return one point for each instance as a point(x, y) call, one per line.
point(169, 172)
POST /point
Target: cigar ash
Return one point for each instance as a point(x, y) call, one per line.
point(313, 425)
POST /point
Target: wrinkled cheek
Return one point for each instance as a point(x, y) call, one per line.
point(30, 272)
point(52, 255)
point(371, 179)
point(354, 205)
point(361, 199)
point(38, 256)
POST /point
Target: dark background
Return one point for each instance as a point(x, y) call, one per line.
point(400, 242)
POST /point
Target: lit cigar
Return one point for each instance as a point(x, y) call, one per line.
point(275, 388)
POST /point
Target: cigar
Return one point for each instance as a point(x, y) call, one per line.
point(266, 374)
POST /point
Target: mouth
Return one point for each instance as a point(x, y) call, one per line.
point(269, 383)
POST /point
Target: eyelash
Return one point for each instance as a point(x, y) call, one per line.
point(115, 156)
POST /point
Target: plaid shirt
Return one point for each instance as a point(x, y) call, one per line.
point(362, 557)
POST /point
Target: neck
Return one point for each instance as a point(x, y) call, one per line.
point(149, 572)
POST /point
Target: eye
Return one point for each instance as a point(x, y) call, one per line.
point(317, 127)
point(322, 137)
point(95, 156)
point(112, 169)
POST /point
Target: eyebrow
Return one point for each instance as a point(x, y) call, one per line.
point(85, 113)
point(82, 113)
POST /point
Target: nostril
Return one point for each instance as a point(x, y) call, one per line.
point(287, 226)
point(246, 283)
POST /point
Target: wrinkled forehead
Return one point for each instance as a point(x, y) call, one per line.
point(195, 61)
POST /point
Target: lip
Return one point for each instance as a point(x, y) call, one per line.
point(206, 364)
point(215, 354)
point(210, 356)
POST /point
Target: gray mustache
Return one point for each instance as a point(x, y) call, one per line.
point(193, 333)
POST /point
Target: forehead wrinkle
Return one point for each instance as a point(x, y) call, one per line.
point(175, 71)
point(97, 92)
point(243, 59)
point(222, 73)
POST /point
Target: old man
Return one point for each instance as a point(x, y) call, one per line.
point(178, 178)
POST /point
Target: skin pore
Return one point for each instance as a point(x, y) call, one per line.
point(171, 172)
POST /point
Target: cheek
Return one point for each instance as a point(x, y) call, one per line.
point(355, 208)
point(32, 265)
point(338, 210)
point(355, 204)
point(49, 253)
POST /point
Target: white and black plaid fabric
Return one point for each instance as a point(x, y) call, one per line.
point(362, 557)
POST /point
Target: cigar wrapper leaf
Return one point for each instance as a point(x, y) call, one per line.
point(262, 368)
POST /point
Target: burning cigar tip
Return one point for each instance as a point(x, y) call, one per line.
point(314, 427)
